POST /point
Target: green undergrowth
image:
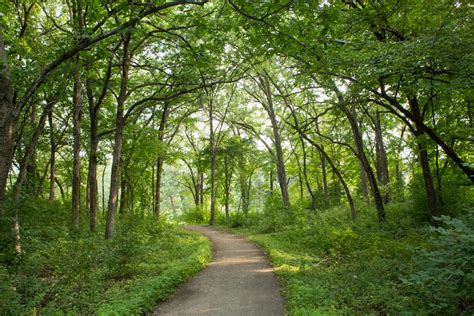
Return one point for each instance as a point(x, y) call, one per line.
point(329, 266)
point(63, 271)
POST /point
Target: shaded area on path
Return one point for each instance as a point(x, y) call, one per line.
point(238, 281)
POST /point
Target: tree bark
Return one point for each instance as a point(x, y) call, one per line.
point(213, 152)
point(365, 163)
point(331, 163)
point(431, 193)
point(92, 169)
point(281, 172)
point(271, 180)
point(361, 153)
point(7, 120)
point(52, 159)
point(323, 167)
point(159, 160)
point(117, 150)
point(93, 108)
point(381, 157)
point(77, 117)
point(364, 186)
point(123, 195)
point(31, 149)
point(305, 173)
point(201, 189)
point(227, 186)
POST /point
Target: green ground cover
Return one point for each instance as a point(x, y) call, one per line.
point(67, 272)
point(327, 266)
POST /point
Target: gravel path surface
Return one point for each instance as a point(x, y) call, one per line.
point(238, 281)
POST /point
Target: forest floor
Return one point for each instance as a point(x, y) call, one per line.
point(238, 281)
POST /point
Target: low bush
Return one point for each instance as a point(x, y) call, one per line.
point(443, 276)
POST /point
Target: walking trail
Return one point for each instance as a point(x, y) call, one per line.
point(238, 281)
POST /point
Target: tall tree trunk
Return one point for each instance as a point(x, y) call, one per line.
point(213, 152)
point(322, 158)
point(201, 189)
point(153, 188)
point(271, 180)
point(281, 172)
point(77, 117)
point(123, 195)
point(342, 181)
point(31, 149)
point(363, 158)
point(117, 150)
point(333, 166)
point(364, 186)
point(52, 159)
point(243, 192)
point(159, 160)
point(103, 186)
point(381, 157)
point(331, 163)
point(300, 175)
point(305, 173)
point(247, 193)
point(431, 193)
point(7, 120)
point(92, 170)
point(227, 186)
point(157, 199)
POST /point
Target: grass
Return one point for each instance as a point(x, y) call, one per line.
point(327, 266)
point(63, 271)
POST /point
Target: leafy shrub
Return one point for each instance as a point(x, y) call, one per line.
point(9, 297)
point(196, 215)
point(275, 215)
point(444, 276)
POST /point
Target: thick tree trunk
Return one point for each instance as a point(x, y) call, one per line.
point(77, 117)
point(117, 150)
point(7, 120)
point(52, 159)
point(92, 186)
point(281, 172)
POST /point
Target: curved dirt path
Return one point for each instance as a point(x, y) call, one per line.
point(238, 281)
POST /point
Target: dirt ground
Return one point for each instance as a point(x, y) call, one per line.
point(238, 281)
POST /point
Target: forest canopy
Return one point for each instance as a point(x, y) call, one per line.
point(260, 114)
